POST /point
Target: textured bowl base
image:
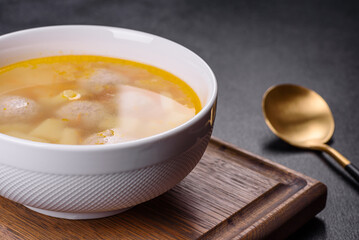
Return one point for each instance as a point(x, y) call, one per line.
point(77, 216)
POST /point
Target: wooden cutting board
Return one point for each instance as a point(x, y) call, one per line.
point(231, 194)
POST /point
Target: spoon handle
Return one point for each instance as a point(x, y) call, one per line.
point(353, 170)
point(343, 161)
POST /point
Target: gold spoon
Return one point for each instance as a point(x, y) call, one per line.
point(303, 119)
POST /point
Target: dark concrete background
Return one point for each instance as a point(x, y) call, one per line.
point(251, 45)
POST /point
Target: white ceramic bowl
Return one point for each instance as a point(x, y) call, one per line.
point(83, 182)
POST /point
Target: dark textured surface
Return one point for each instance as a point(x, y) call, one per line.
point(251, 45)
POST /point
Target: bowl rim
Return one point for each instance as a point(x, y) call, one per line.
point(129, 144)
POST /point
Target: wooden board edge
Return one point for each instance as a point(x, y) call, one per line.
point(317, 196)
point(284, 221)
point(308, 201)
point(281, 222)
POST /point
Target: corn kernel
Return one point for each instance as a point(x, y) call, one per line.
point(71, 94)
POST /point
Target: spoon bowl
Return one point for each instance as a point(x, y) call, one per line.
point(297, 115)
point(302, 118)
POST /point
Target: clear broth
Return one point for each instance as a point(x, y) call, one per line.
point(91, 100)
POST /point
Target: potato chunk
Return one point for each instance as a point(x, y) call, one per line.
point(70, 136)
point(108, 122)
point(50, 129)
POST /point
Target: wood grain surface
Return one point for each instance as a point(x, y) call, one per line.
point(231, 194)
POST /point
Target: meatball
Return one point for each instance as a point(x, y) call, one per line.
point(103, 80)
point(87, 113)
point(16, 108)
point(109, 136)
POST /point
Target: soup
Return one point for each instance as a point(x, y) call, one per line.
point(91, 100)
